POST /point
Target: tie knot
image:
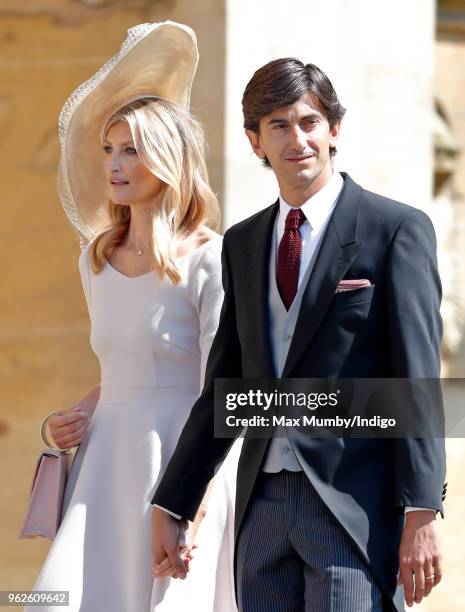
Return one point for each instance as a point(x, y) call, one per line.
point(294, 219)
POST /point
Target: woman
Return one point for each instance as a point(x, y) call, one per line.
point(151, 277)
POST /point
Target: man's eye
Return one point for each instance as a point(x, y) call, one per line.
point(310, 122)
point(279, 126)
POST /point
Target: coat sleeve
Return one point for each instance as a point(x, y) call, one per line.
point(198, 453)
point(415, 332)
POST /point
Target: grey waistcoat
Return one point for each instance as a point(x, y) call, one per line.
point(282, 323)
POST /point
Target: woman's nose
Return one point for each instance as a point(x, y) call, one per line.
point(112, 163)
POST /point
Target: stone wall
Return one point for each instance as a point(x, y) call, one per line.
point(383, 79)
point(450, 93)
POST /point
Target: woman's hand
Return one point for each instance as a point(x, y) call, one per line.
point(193, 527)
point(69, 427)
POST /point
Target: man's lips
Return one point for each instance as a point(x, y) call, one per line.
point(300, 158)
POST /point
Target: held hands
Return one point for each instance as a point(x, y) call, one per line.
point(165, 568)
point(419, 556)
point(168, 541)
point(69, 427)
point(163, 540)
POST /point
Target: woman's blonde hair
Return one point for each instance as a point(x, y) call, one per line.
point(170, 142)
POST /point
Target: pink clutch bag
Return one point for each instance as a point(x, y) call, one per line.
point(43, 515)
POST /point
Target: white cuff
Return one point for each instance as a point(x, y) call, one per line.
point(176, 516)
point(415, 509)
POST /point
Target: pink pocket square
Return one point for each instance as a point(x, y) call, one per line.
point(352, 284)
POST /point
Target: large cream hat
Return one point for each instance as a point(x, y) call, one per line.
point(155, 60)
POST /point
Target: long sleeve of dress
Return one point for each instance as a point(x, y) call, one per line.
point(207, 295)
point(84, 269)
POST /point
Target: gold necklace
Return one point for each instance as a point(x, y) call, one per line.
point(139, 250)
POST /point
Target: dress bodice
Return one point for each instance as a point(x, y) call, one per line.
point(149, 332)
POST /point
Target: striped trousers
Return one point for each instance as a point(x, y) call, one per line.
point(293, 556)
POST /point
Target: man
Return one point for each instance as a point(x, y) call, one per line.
point(320, 522)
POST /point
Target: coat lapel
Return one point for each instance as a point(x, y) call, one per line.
point(256, 284)
point(338, 250)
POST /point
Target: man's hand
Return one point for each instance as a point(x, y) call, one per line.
point(419, 555)
point(165, 568)
point(168, 540)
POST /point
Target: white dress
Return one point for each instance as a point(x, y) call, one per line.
point(152, 339)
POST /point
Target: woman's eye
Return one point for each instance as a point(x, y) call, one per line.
point(131, 150)
point(107, 149)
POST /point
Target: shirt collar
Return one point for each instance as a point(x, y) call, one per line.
point(318, 208)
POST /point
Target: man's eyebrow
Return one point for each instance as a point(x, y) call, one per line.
point(310, 115)
point(270, 121)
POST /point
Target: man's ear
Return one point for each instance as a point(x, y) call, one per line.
point(334, 134)
point(254, 139)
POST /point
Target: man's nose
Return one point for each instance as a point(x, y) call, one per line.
point(298, 138)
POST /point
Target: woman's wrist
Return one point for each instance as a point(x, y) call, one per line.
point(44, 433)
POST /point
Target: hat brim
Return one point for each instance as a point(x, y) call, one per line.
point(161, 64)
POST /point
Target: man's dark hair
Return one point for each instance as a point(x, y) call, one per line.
point(281, 83)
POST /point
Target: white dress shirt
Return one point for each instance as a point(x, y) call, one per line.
point(317, 211)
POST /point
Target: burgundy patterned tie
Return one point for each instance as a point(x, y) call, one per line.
point(289, 252)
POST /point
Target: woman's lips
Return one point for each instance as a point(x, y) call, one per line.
point(119, 183)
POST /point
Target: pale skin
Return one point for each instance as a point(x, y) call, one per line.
point(296, 140)
point(131, 183)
